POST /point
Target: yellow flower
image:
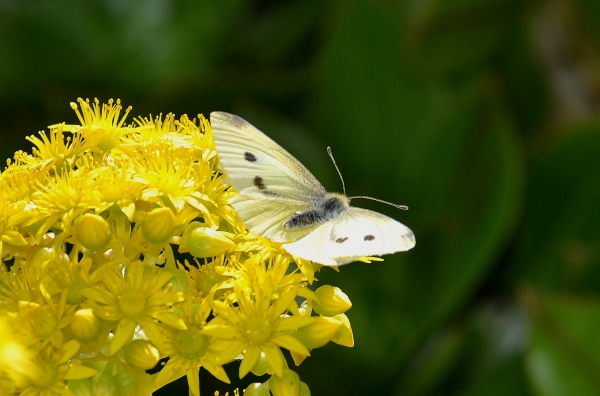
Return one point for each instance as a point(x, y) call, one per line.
point(88, 222)
point(64, 197)
point(56, 149)
point(52, 369)
point(135, 295)
point(100, 127)
point(189, 349)
point(42, 323)
point(257, 325)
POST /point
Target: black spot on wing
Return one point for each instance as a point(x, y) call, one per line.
point(341, 240)
point(249, 157)
point(369, 237)
point(259, 183)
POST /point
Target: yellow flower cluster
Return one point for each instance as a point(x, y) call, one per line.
point(92, 292)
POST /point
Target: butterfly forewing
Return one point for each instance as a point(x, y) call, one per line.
point(272, 184)
point(256, 165)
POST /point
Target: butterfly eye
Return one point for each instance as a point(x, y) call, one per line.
point(369, 237)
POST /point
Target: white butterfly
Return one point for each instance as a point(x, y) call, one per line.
point(282, 201)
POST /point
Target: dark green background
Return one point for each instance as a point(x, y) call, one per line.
point(481, 115)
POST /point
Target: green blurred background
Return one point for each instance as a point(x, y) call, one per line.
point(481, 115)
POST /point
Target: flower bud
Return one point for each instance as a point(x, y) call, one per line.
point(332, 301)
point(287, 385)
point(304, 391)
point(179, 280)
point(128, 384)
point(86, 325)
point(158, 225)
point(38, 256)
point(257, 389)
point(141, 354)
point(81, 387)
point(319, 333)
point(93, 232)
point(260, 367)
point(206, 242)
point(344, 334)
point(104, 384)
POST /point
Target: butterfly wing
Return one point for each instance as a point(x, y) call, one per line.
point(265, 216)
point(272, 184)
point(353, 234)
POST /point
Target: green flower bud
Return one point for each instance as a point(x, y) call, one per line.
point(319, 333)
point(104, 384)
point(332, 301)
point(81, 387)
point(128, 384)
point(86, 325)
point(93, 232)
point(206, 242)
point(287, 385)
point(344, 334)
point(260, 368)
point(158, 225)
point(179, 280)
point(39, 256)
point(304, 391)
point(141, 354)
point(257, 389)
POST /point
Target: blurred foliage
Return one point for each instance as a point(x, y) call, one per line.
point(481, 115)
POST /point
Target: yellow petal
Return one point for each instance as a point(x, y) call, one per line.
point(251, 356)
point(123, 333)
point(170, 372)
point(291, 344)
point(78, 371)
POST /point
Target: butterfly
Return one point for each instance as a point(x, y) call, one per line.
point(281, 200)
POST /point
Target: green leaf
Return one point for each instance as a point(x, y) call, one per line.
point(459, 37)
point(560, 244)
point(564, 356)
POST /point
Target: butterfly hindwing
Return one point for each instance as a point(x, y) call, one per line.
point(266, 216)
point(353, 234)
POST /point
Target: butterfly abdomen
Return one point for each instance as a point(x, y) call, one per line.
point(324, 209)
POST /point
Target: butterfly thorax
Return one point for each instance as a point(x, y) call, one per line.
point(323, 209)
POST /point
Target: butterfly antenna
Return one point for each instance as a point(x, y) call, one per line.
point(336, 168)
point(403, 207)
